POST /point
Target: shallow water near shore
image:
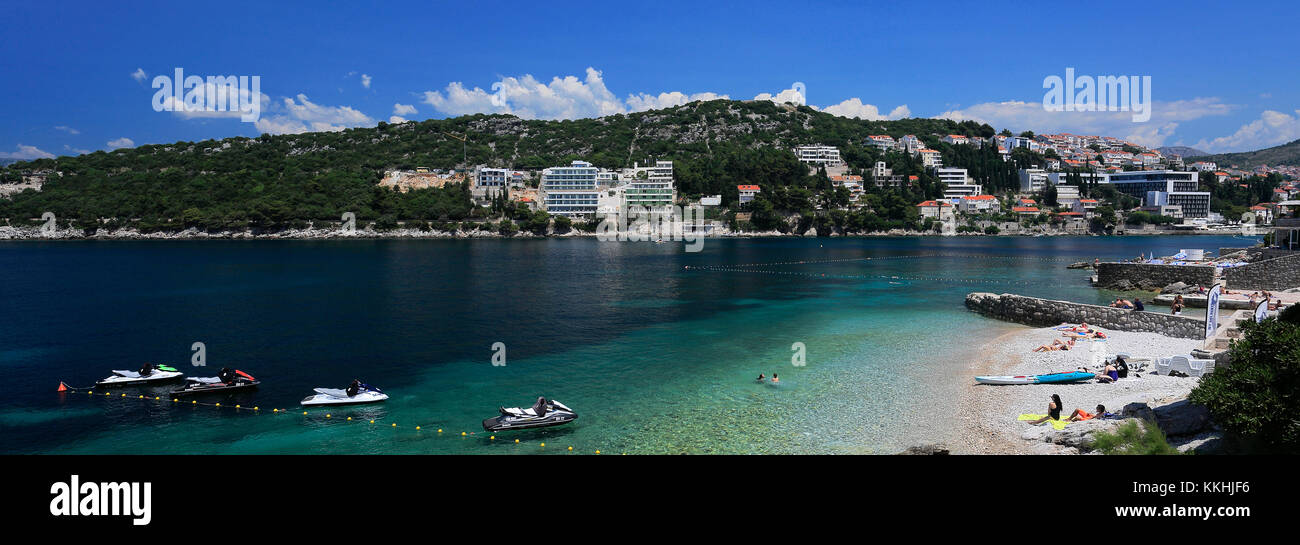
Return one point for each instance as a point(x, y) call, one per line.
point(655, 348)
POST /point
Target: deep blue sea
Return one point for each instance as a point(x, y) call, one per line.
point(656, 348)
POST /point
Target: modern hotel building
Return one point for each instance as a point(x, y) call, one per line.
point(1169, 187)
point(571, 191)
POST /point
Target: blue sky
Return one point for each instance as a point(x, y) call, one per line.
point(1224, 77)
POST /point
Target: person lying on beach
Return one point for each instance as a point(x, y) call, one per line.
point(1053, 411)
point(1122, 303)
point(1079, 415)
point(1056, 345)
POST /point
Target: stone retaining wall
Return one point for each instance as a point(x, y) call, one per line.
point(1153, 276)
point(1046, 312)
point(1278, 273)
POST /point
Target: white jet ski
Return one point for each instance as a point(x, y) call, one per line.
point(332, 396)
point(543, 413)
point(149, 374)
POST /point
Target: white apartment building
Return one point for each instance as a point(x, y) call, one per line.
point(747, 192)
point(910, 143)
point(1033, 180)
point(956, 183)
point(828, 156)
point(652, 187)
point(882, 142)
point(488, 182)
point(930, 158)
point(571, 191)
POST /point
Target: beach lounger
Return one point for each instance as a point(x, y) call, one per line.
point(1162, 366)
point(1182, 364)
point(1200, 367)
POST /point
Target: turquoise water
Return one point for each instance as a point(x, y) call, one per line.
point(654, 347)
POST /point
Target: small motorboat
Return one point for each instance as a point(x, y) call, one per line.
point(148, 374)
point(228, 381)
point(355, 394)
point(543, 413)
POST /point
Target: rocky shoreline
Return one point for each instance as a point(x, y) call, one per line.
point(34, 233)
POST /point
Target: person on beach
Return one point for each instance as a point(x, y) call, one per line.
point(1109, 375)
point(1056, 345)
point(1079, 415)
point(1121, 367)
point(1177, 308)
point(1137, 305)
point(1053, 411)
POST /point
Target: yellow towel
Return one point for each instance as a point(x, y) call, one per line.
point(1058, 424)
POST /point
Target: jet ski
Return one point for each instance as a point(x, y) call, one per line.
point(355, 394)
point(148, 374)
point(542, 414)
point(228, 381)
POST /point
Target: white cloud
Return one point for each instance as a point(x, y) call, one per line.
point(788, 95)
point(77, 151)
point(1272, 128)
point(26, 153)
point(526, 97)
point(403, 109)
point(854, 108)
point(1020, 116)
point(642, 101)
point(365, 81)
point(122, 142)
point(139, 76)
point(67, 129)
point(211, 93)
point(397, 119)
point(303, 116)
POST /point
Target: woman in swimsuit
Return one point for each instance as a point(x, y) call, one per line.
point(1053, 411)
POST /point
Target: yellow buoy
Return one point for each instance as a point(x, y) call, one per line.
point(492, 438)
point(417, 428)
point(516, 440)
point(141, 397)
point(237, 406)
point(598, 452)
point(462, 434)
point(327, 415)
point(394, 424)
point(304, 413)
point(439, 430)
point(372, 421)
point(570, 448)
point(543, 444)
point(218, 404)
point(175, 401)
point(349, 419)
point(194, 402)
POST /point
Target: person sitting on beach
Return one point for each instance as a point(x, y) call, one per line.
point(1056, 345)
point(762, 377)
point(1137, 305)
point(1122, 303)
point(1110, 374)
point(1121, 367)
point(775, 379)
point(1176, 308)
point(1053, 411)
point(1079, 415)
point(1201, 289)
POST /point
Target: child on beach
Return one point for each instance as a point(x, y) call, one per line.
point(1053, 411)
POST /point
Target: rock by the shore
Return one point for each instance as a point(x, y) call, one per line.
point(1080, 265)
point(1182, 418)
point(926, 450)
point(1178, 288)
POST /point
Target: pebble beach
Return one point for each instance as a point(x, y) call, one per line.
point(989, 413)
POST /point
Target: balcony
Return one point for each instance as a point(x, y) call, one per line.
point(1286, 222)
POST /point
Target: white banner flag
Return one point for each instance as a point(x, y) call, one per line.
point(1261, 311)
point(1212, 311)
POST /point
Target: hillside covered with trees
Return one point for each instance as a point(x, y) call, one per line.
point(273, 181)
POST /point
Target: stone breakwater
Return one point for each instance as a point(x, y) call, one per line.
point(1046, 312)
point(1151, 277)
point(1277, 273)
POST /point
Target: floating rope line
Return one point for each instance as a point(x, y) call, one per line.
point(906, 277)
point(328, 416)
point(915, 256)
